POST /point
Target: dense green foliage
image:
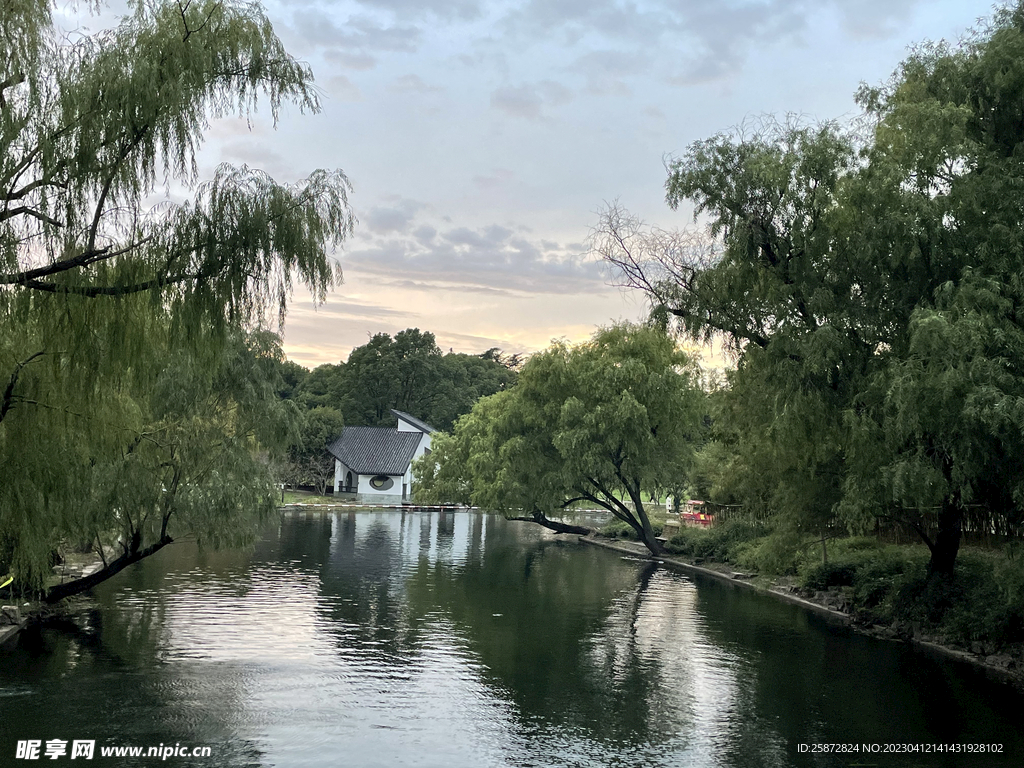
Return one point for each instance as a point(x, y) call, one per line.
point(137, 400)
point(736, 542)
point(309, 462)
point(407, 373)
point(597, 423)
point(619, 529)
point(980, 607)
point(870, 288)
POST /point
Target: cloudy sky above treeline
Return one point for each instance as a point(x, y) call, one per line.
point(482, 138)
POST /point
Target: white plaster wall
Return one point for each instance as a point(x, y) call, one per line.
point(366, 488)
point(425, 441)
point(340, 470)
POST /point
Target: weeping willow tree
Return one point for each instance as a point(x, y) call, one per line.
point(131, 379)
point(870, 285)
point(600, 423)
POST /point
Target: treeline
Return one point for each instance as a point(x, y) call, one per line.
point(407, 372)
point(867, 281)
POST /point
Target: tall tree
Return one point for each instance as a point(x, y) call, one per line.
point(189, 462)
point(463, 379)
point(409, 373)
point(325, 386)
point(102, 293)
point(870, 289)
point(599, 423)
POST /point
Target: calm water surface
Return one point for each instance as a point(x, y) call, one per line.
point(459, 639)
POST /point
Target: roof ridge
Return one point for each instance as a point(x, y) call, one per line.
point(410, 419)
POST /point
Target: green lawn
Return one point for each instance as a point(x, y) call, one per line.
point(306, 497)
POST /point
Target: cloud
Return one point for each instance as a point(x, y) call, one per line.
point(606, 71)
point(316, 334)
point(234, 127)
point(709, 40)
point(874, 18)
point(493, 258)
point(339, 306)
point(572, 20)
point(465, 10)
point(528, 101)
point(496, 179)
point(435, 286)
point(396, 218)
point(471, 341)
point(356, 42)
point(257, 154)
point(343, 89)
point(718, 37)
point(425, 234)
point(348, 60)
point(486, 238)
point(412, 84)
point(605, 42)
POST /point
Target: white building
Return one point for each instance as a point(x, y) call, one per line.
point(374, 464)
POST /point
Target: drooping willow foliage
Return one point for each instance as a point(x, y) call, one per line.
point(130, 366)
point(870, 287)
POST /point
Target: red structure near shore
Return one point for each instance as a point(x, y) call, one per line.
point(693, 513)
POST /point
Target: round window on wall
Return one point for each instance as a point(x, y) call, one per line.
point(381, 482)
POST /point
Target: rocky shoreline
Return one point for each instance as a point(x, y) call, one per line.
point(24, 613)
point(1007, 663)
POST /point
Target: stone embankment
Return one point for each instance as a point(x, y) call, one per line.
point(835, 605)
point(354, 507)
point(11, 622)
point(14, 618)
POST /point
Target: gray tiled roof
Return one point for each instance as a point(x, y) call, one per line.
point(375, 450)
point(421, 425)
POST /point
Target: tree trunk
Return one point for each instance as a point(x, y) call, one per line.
point(60, 591)
point(947, 540)
point(541, 519)
point(645, 531)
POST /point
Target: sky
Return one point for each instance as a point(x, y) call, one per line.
point(483, 138)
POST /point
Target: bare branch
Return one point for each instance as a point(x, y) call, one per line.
point(20, 193)
point(8, 402)
point(125, 154)
point(83, 259)
point(15, 79)
point(10, 213)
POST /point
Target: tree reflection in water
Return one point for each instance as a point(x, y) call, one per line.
point(425, 638)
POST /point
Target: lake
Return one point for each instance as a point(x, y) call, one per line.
point(460, 639)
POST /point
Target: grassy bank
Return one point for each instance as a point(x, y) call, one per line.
point(882, 586)
point(306, 497)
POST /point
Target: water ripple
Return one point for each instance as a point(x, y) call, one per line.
point(419, 639)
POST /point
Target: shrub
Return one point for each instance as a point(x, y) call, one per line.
point(983, 602)
point(619, 529)
point(723, 543)
point(882, 578)
point(831, 574)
